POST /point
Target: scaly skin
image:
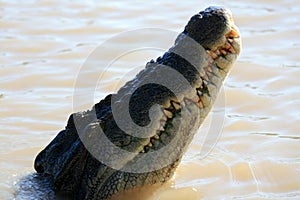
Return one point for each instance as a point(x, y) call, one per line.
point(203, 54)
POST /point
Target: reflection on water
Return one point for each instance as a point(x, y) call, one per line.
point(44, 44)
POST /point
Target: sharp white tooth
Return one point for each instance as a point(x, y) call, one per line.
point(164, 119)
point(230, 40)
point(163, 122)
point(199, 92)
point(161, 128)
point(156, 136)
point(223, 52)
point(150, 144)
point(187, 101)
point(176, 105)
point(205, 78)
point(198, 83)
point(143, 151)
point(209, 69)
point(169, 114)
point(167, 104)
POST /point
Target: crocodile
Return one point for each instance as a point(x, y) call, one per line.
point(97, 157)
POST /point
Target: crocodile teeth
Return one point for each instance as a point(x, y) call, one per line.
point(205, 78)
point(163, 119)
point(156, 136)
point(169, 114)
point(213, 55)
point(217, 52)
point(223, 52)
point(150, 144)
point(187, 101)
point(176, 105)
point(199, 92)
point(161, 128)
point(209, 69)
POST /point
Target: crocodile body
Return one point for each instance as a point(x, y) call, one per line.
point(202, 56)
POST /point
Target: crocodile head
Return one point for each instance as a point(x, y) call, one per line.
point(203, 55)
